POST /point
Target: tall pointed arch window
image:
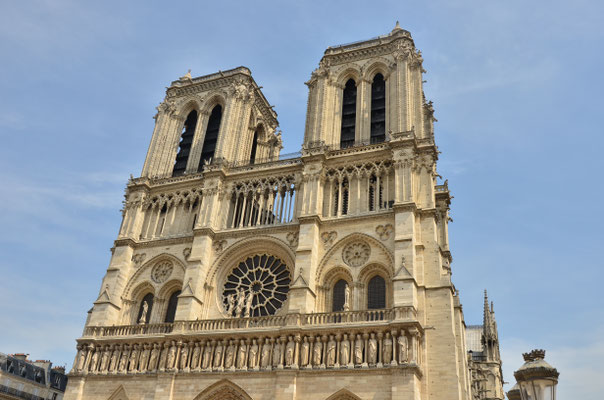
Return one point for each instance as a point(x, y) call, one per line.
point(254, 147)
point(376, 293)
point(338, 295)
point(211, 137)
point(144, 310)
point(349, 114)
point(184, 147)
point(378, 109)
point(172, 304)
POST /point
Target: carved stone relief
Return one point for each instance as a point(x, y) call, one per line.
point(329, 237)
point(292, 238)
point(384, 231)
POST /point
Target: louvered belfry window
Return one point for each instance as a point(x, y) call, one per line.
point(376, 293)
point(378, 109)
point(338, 296)
point(211, 137)
point(254, 148)
point(172, 303)
point(349, 114)
point(186, 140)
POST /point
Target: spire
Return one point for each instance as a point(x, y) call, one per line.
point(397, 27)
point(486, 317)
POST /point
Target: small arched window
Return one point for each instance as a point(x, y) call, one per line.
point(144, 310)
point(349, 114)
point(172, 303)
point(378, 109)
point(254, 147)
point(184, 148)
point(376, 293)
point(338, 296)
point(211, 137)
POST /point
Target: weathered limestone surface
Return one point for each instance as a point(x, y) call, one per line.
point(321, 275)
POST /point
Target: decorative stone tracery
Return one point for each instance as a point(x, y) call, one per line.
point(162, 271)
point(356, 254)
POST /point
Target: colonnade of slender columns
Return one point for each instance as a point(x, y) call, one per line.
point(272, 206)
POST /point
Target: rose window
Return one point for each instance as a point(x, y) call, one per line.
point(161, 272)
point(256, 287)
point(356, 254)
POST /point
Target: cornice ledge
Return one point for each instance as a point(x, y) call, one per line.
point(310, 219)
point(239, 232)
point(410, 206)
point(204, 232)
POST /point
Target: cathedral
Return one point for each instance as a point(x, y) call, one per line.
point(243, 273)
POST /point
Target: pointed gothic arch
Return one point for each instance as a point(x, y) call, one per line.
point(343, 394)
point(223, 390)
point(119, 394)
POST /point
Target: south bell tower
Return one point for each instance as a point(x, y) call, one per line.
point(242, 273)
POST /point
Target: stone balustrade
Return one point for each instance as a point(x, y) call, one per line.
point(345, 346)
point(358, 318)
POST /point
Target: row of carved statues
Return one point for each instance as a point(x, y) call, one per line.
point(338, 350)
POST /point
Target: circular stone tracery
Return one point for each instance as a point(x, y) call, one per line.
point(256, 287)
point(356, 254)
point(162, 271)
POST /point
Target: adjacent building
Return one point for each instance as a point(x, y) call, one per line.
point(21, 378)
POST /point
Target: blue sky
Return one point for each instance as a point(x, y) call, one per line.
point(516, 87)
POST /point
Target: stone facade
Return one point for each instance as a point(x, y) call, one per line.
point(242, 273)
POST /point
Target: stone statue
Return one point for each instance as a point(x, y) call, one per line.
point(94, 361)
point(372, 350)
point(207, 355)
point(171, 357)
point(133, 359)
point(304, 352)
point(402, 348)
point(277, 354)
point(162, 357)
point(81, 357)
point(358, 350)
point(114, 357)
point(289, 352)
point(387, 349)
point(248, 304)
point(253, 356)
point(231, 304)
point(344, 351)
point(184, 354)
point(265, 360)
point(331, 351)
point(153, 357)
point(230, 354)
point(123, 360)
point(218, 355)
point(317, 351)
point(144, 359)
point(195, 356)
point(241, 354)
point(105, 359)
point(143, 318)
point(240, 302)
point(346, 298)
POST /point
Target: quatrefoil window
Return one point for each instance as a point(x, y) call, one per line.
point(256, 287)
